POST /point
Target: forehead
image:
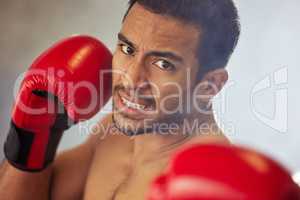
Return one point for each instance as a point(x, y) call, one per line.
point(144, 27)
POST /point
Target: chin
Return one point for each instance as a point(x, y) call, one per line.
point(129, 127)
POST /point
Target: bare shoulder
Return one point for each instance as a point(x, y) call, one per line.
point(212, 139)
point(207, 139)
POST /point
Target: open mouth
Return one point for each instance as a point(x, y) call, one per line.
point(138, 106)
point(132, 105)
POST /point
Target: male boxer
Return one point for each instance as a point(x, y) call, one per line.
point(169, 63)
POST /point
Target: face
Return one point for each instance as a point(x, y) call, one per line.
point(155, 67)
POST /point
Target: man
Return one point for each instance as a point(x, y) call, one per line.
point(168, 65)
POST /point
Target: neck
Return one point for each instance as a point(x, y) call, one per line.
point(153, 146)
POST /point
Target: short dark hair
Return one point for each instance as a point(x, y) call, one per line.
point(217, 19)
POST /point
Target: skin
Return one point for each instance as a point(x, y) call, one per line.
point(110, 164)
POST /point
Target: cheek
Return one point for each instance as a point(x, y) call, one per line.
point(173, 90)
point(118, 61)
point(171, 84)
point(169, 96)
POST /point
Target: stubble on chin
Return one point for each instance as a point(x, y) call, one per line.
point(127, 128)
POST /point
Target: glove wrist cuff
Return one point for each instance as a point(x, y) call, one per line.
point(29, 151)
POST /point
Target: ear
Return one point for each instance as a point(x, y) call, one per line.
point(213, 81)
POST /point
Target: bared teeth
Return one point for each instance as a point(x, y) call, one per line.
point(133, 105)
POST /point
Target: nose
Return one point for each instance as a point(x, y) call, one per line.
point(135, 76)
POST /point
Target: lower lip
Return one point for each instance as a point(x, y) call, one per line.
point(134, 113)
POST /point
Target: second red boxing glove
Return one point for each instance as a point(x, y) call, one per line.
point(213, 172)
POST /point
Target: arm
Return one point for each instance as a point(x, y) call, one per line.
point(64, 179)
point(16, 184)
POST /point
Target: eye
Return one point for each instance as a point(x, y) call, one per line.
point(126, 49)
point(164, 65)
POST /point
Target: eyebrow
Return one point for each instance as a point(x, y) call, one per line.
point(166, 54)
point(124, 39)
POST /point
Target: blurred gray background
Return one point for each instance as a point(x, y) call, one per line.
point(258, 109)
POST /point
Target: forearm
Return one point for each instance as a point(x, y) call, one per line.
point(16, 184)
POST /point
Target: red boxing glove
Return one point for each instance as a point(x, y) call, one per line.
point(211, 172)
point(68, 83)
